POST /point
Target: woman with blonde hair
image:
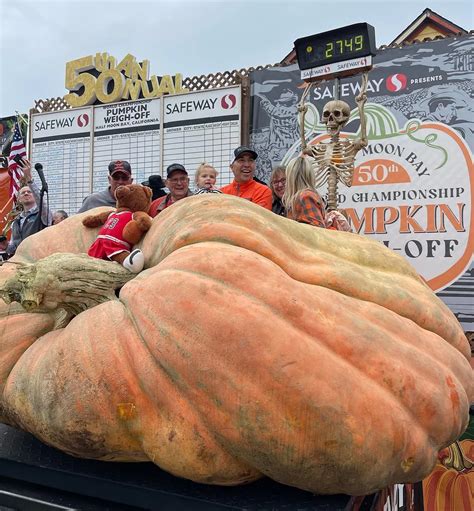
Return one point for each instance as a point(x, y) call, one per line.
point(301, 200)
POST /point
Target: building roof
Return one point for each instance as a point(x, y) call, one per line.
point(428, 24)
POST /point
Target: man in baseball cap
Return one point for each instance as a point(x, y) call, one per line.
point(241, 150)
point(120, 173)
point(177, 181)
point(119, 167)
point(175, 167)
point(243, 167)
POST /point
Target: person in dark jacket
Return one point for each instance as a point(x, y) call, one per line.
point(157, 185)
point(277, 186)
point(28, 222)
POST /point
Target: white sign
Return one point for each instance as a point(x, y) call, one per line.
point(344, 67)
point(75, 146)
point(66, 122)
point(60, 141)
point(127, 131)
point(127, 115)
point(202, 126)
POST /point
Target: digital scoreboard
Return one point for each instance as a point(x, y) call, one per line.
point(340, 52)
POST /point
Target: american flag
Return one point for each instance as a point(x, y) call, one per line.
point(17, 148)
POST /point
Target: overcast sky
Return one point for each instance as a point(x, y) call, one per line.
point(191, 37)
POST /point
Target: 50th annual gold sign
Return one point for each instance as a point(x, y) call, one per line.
point(129, 78)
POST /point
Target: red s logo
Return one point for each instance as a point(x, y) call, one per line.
point(396, 83)
point(83, 120)
point(228, 101)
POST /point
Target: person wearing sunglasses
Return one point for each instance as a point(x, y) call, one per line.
point(120, 173)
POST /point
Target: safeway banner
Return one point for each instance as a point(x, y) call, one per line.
point(413, 186)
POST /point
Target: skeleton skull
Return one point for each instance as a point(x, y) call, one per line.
point(335, 115)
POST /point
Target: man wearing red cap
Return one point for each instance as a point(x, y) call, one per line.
point(120, 173)
point(243, 167)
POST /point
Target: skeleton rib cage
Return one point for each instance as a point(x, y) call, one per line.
point(338, 156)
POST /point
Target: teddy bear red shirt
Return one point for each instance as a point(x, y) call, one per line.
point(110, 238)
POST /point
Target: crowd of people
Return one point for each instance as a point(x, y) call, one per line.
point(291, 193)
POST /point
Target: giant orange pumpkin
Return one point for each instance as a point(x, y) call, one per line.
point(250, 345)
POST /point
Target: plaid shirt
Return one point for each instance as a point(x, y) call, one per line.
point(309, 209)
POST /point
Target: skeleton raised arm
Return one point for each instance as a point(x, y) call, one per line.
point(361, 100)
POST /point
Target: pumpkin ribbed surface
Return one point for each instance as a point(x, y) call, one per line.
point(250, 345)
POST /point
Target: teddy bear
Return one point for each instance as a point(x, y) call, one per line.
point(122, 228)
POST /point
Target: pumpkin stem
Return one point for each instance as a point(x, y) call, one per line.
point(456, 458)
point(64, 284)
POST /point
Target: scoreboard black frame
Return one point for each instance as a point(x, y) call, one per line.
point(338, 45)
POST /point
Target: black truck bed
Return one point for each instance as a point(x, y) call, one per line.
point(29, 467)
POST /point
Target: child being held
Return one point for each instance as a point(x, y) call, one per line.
point(205, 179)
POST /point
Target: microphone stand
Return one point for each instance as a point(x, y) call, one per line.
point(40, 208)
point(44, 189)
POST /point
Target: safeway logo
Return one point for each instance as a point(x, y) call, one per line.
point(83, 120)
point(396, 82)
point(228, 101)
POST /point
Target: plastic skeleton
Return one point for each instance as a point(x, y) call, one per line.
point(334, 161)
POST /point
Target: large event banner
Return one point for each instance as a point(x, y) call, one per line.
point(76, 145)
point(413, 185)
